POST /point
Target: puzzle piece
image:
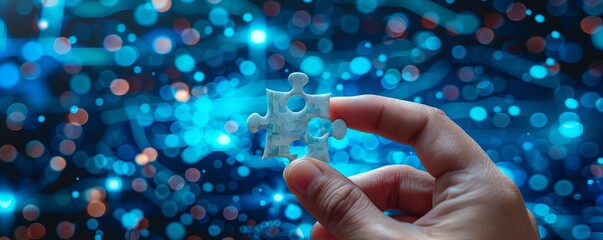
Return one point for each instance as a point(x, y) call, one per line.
point(284, 126)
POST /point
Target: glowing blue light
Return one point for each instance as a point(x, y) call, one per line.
point(538, 120)
point(360, 65)
point(538, 72)
point(433, 43)
point(459, 52)
point(185, 62)
point(223, 139)
point(75, 194)
point(541, 209)
point(199, 76)
point(113, 184)
point(312, 65)
point(10, 75)
point(293, 212)
point(41, 118)
point(247, 68)
point(175, 230)
point(243, 171)
point(571, 103)
point(581, 231)
point(229, 32)
point(126, 56)
point(278, 197)
point(218, 16)
point(172, 140)
point(564, 188)
point(478, 114)
point(555, 34)
point(571, 129)
point(80, 83)
point(32, 51)
point(247, 17)
point(130, 220)
point(539, 18)
point(7, 202)
point(214, 230)
point(597, 37)
point(538, 182)
point(258, 36)
point(145, 15)
point(514, 110)
point(92, 223)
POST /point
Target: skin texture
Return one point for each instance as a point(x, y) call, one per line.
point(463, 195)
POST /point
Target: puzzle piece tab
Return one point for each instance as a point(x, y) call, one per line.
point(284, 126)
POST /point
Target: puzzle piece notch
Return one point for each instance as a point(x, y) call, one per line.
point(284, 126)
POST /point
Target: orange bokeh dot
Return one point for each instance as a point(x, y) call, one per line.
point(67, 147)
point(58, 164)
point(162, 5)
point(95, 194)
point(8, 153)
point(72, 131)
point(112, 42)
point(139, 185)
point(484, 35)
point(590, 23)
point(78, 118)
point(143, 224)
point(65, 230)
point(276, 61)
point(61, 45)
point(430, 20)
point(141, 159)
point(36, 231)
point(31, 212)
point(516, 11)
point(192, 174)
point(96, 208)
point(21, 232)
point(493, 20)
point(35, 149)
point(119, 87)
point(149, 171)
point(151, 153)
point(182, 95)
point(190, 36)
point(297, 49)
point(271, 8)
point(536, 44)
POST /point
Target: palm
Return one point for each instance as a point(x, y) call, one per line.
point(463, 195)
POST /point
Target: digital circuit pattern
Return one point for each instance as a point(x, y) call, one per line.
point(126, 118)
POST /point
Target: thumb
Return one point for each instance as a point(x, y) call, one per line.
point(335, 201)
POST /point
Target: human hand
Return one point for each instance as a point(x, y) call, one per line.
point(463, 195)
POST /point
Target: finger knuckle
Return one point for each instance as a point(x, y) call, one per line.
point(338, 202)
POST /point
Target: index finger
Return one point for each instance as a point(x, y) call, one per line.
point(441, 145)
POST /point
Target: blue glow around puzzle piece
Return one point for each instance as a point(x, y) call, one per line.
point(283, 126)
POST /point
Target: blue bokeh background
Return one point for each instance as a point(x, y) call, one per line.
point(127, 119)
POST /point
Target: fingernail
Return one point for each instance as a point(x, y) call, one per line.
point(303, 173)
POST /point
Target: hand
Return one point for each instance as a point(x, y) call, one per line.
point(463, 195)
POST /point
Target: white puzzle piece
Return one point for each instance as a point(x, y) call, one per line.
point(284, 126)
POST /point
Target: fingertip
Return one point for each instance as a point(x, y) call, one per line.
point(301, 173)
